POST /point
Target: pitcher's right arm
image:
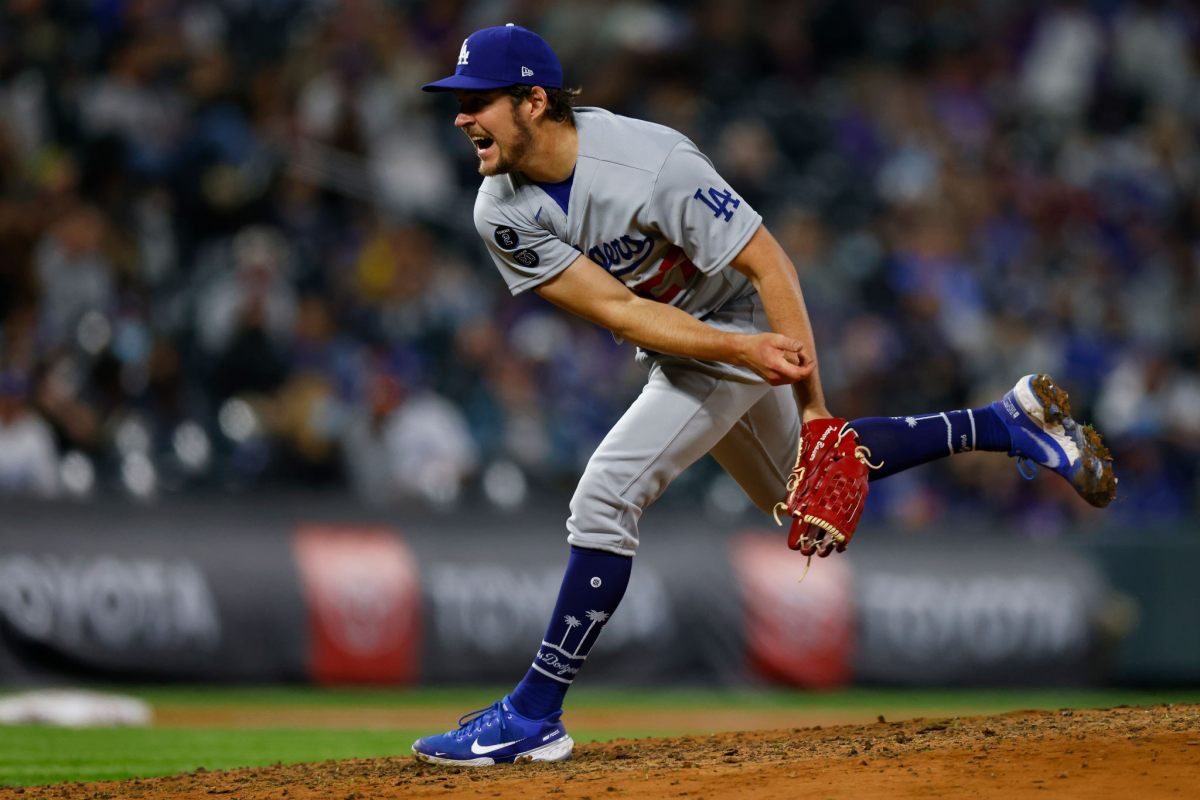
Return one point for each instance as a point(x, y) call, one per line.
point(587, 290)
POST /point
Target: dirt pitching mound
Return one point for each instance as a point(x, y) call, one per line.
point(1124, 752)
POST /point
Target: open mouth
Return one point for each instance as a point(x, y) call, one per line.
point(482, 145)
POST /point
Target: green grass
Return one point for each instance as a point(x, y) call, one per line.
point(932, 701)
point(37, 755)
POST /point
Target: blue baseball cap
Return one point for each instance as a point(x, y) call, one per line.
point(493, 58)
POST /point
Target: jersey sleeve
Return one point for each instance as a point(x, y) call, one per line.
point(695, 208)
point(526, 255)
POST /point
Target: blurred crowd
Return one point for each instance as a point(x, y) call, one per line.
point(236, 246)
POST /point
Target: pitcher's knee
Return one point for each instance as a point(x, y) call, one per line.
point(600, 518)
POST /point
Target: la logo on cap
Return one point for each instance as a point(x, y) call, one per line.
point(463, 54)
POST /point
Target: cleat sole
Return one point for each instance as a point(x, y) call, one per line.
point(1056, 405)
point(1095, 480)
point(555, 751)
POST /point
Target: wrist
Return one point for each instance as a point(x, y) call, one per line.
point(736, 347)
point(809, 413)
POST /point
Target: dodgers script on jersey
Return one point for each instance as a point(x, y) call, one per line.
point(645, 204)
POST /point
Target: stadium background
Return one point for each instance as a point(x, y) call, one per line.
point(247, 330)
point(207, 203)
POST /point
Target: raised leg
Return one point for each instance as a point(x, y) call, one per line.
point(900, 443)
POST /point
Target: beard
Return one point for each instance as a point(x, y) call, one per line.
point(510, 157)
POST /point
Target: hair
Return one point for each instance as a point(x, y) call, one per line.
point(558, 107)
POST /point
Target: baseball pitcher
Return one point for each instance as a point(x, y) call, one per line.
point(627, 224)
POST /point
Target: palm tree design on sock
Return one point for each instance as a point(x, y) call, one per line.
point(594, 616)
point(572, 624)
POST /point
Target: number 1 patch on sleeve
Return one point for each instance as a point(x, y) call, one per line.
point(720, 203)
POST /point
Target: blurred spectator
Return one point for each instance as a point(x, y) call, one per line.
point(1061, 65)
point(429, 447)
point(403, 446)
point(250, 291)
point(74, 274)
point(28, 461)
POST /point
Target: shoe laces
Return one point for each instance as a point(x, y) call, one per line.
point(473, 723)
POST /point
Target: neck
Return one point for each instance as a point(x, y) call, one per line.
point(554, 154)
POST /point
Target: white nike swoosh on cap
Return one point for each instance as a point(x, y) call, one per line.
point(480, 749)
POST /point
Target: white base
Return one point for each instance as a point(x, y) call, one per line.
point(555, 751)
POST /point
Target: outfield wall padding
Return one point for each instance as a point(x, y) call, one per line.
point(292, 594)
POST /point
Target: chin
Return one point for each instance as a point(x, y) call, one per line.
point(497, 167)
point(496, 163)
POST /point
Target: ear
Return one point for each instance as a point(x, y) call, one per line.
point(539, 102)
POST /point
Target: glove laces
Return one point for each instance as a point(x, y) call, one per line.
point(862, 453)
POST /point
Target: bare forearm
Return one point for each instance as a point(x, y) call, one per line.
point(768, 267)
point(783, 301)
point(587, 290)
point(665, 329)
point(773, 357)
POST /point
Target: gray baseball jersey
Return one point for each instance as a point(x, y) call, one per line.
point(645, 204)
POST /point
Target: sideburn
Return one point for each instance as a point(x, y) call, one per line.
point(522, 142)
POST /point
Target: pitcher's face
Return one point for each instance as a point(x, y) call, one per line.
point(501, 138)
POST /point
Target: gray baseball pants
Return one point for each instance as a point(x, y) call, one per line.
point(687, 409)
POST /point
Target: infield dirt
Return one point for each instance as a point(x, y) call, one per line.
point(1144, 752)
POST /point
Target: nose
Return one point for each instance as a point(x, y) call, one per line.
point(463, 120)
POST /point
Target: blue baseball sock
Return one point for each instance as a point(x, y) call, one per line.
point(593, 586)
point(903, 442)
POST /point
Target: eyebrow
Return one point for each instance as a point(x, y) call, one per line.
point(471, 104)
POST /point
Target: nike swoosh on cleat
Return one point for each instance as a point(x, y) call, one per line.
point(481, 749)
point(436, 753)
point(1052, 459)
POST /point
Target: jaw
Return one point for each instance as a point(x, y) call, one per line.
point(488, 152)
point(497, 160)
point(493, 162)
point(489, 161)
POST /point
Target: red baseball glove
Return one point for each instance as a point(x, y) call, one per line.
point(827, 488)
